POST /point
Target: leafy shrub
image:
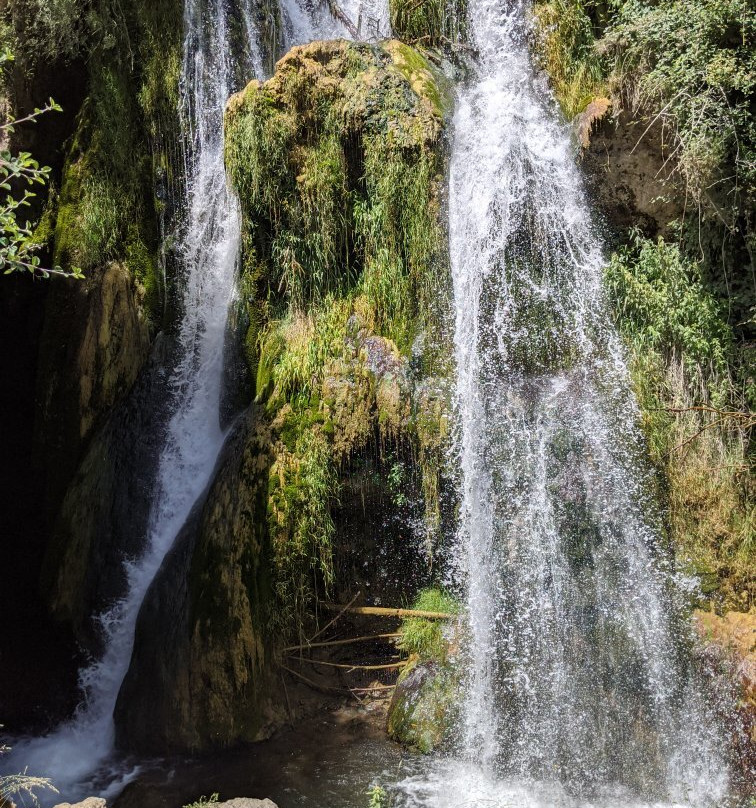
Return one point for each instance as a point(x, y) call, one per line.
point(694, 412)
point(425, 638)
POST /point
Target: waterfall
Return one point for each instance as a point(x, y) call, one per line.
point(78, 756)
point(578, 685)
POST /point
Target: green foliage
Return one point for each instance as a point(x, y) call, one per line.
point(566, 47)
point(664, 307)
point(378, 797)
point(425, 638)
point(694, 61)
point(328, 213)
point(694, 411)
point(18, 173)
point(692, 66)
point(205, 802)
point(336, 161)
point(303, 484)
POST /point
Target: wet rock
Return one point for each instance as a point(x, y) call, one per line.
point(90, 802)
point(422, 707)
point(105, 510)
point(197, 678)
point(94, 342)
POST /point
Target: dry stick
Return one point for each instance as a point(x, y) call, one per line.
point(386, 666)
point(374, 687)
point(310, 681)
point(693, 437)
point(329, 624)
point(364, 638)
point(380, 611)
point(342, 17)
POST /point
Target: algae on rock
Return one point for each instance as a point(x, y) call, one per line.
point(338, 162)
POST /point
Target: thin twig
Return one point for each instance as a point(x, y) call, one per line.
point(329, 624)
point(364, 638)
point(346, 666)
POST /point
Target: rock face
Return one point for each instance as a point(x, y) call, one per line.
point(105, 510)
point(198, 675)
point(627, 170)
point(94, 343)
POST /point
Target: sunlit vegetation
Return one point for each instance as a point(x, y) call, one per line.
point(343, 271)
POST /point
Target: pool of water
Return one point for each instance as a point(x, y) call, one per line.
point(333, 761)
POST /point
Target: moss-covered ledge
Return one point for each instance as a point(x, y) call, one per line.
point(339, 161)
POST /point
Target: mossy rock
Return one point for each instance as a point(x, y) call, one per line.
point(423, 706)
point(339, 162)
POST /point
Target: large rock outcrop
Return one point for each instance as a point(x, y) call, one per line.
point(338, 161)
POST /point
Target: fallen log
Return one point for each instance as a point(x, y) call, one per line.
point(382, 611)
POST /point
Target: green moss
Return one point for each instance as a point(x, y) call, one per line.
point(123, 146)
point(565, 39)
point(338, 162)
point(424, 706)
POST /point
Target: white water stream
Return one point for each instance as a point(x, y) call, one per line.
point(77, 756)
point(579, 689)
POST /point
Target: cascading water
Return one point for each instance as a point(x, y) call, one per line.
point(76, 755)
point(578, 685)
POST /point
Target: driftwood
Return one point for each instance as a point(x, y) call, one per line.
point(381, 611)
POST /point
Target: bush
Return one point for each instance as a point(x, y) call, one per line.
point(695, 412)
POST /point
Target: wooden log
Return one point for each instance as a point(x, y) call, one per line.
point(381, 611)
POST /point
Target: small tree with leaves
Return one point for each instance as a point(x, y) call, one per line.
point(19, 173)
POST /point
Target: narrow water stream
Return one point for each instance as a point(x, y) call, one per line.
point(80, 757)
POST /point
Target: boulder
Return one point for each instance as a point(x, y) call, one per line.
point(89, 802)
point(423, 705)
